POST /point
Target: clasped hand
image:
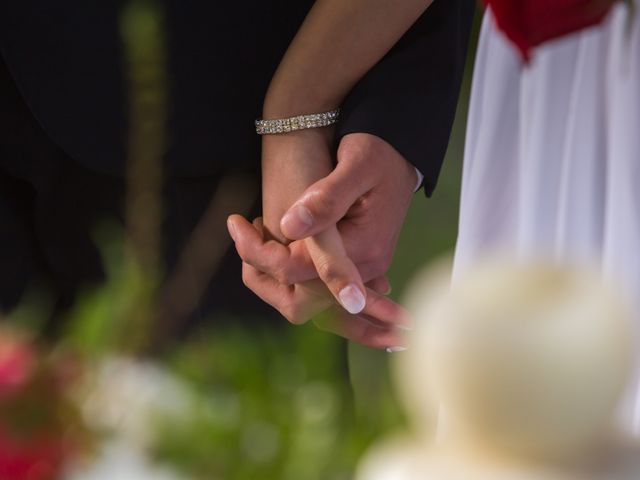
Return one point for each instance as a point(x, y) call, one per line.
point(328, 233)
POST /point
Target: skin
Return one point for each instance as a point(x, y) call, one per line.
point(343, 37)
point(355, 203)
point(365, 198)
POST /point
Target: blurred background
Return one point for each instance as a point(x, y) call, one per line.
point(234, 402)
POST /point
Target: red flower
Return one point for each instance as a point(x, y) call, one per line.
point(39, 458)
point(40, 428)
point(528, 23)
point(17, 364)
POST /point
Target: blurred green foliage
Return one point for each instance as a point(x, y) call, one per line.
point(273, 404)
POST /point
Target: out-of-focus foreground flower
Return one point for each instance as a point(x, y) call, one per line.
point(40, 428)
point(514, 372)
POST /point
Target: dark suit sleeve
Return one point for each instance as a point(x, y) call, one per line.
point(409, 98)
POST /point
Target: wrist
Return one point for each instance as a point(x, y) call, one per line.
point(419, 179)
point(290, 164)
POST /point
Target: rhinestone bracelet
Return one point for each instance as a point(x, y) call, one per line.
point(301, 122)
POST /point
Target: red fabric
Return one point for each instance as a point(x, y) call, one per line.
point(528, 23)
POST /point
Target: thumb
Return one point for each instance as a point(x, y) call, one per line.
point(327, 201)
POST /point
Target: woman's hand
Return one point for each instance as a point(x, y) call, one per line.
point(379, 325)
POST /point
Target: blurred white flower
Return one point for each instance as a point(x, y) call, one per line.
point(121, 460)
point(525, 365)
point(125, 396)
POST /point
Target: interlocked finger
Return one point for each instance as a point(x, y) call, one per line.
point(359, 329)
point(297, 303)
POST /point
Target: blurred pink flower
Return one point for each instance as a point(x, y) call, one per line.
point(17, 364)
point(40, 428)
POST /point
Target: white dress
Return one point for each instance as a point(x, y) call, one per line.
point(552, 159)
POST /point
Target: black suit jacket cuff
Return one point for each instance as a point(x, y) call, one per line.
point(409, 98)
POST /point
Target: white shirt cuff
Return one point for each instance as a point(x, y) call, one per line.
point(419, 180)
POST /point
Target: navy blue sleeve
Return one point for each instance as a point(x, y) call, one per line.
point(409, 98)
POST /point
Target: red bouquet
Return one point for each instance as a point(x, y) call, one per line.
point(528, 23)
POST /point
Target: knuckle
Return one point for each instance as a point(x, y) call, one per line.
point(321, 202)
point(351, 150)
point(283, 275)
point(374, 253)
point(286, 314)
point(246, 253)
point(241, 249)
point(379, 257)
point(327, 271)
point(246, 278)
point(372, 301)
point(293, 313)
point(380, 341)
point(382, 265)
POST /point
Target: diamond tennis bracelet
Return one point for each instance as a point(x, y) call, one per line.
point(301, 122)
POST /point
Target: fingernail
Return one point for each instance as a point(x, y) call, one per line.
point(352, 299)
point(297, 221)
point(404, 328)
point(396, 349)
point(232, 230)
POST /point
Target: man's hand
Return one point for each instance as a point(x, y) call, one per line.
point(366, 196)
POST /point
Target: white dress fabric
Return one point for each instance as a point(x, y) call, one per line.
point(552, 159)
